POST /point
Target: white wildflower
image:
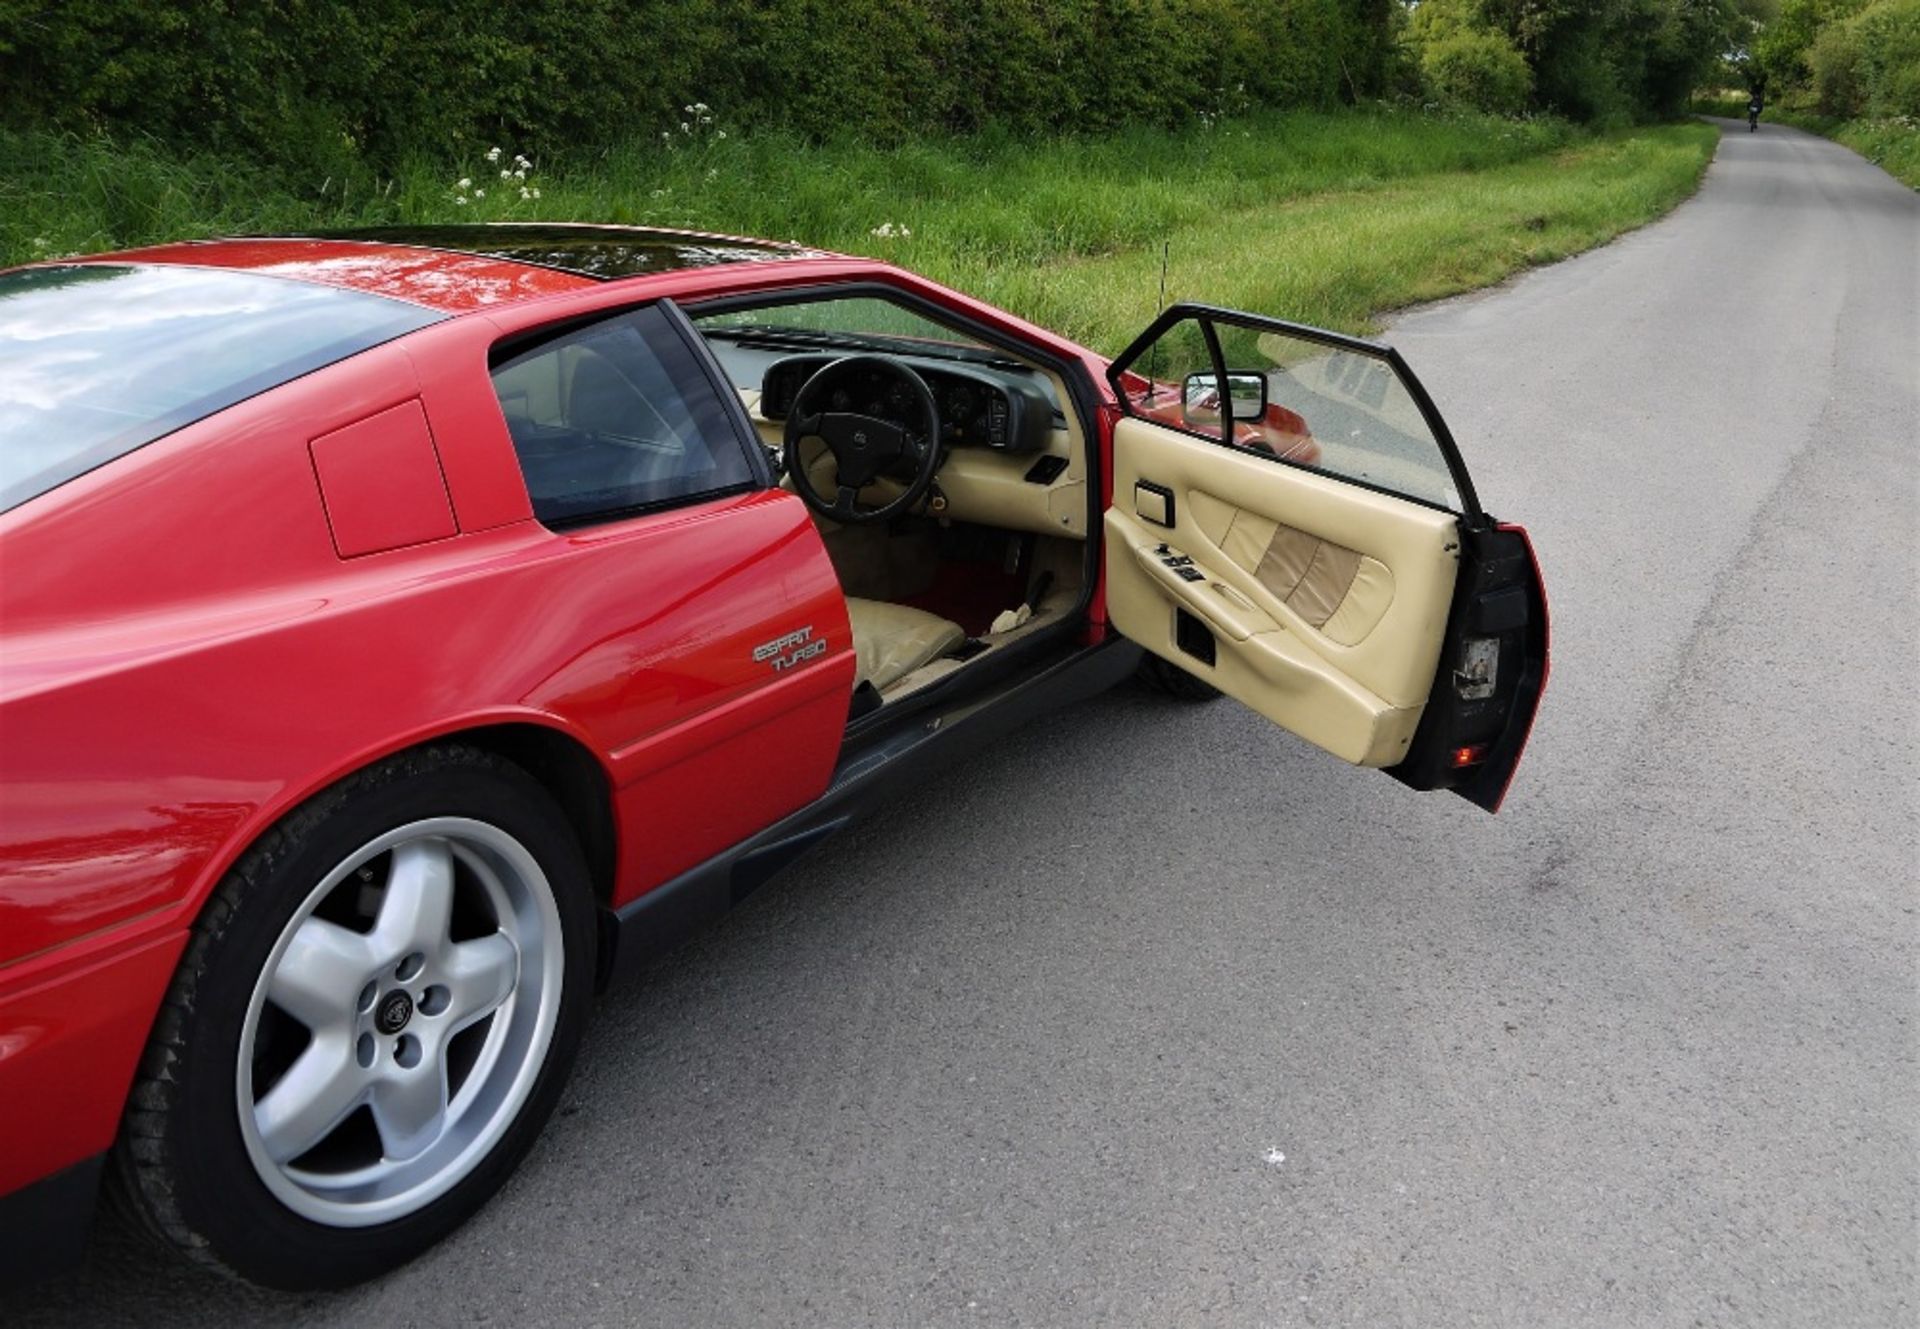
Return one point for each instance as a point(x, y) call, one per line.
point(883, 231)
point(520, 174)
point(685, 128)
point(479, 193)
point(536, 192)
point(701, 107)
point(506, 175)
point(661, 193)
point(525, 192)
point(666, 133)
point(463, 183)
point(713, 173)
point(493, 154)
point(460, 200)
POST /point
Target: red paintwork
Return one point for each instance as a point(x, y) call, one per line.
point(187, 656)
point(381, 484)
point(68, 1047)
point(204, 633)
point(1281, 431)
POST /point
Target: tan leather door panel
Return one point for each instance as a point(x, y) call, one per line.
point(1327, 603)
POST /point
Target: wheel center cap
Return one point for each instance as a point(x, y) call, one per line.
point(396, 1008)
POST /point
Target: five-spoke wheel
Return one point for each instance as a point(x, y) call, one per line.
point(418, 983)
point(373, 1018)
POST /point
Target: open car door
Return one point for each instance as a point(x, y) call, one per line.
point(1292, 523)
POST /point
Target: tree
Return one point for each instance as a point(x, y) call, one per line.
point(1785, 43)
point(1597, 59)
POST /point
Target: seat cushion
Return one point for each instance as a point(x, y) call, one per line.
point(891, 641)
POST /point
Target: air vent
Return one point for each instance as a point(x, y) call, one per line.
point(1046, 470)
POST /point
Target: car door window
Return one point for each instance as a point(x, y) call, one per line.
point(616, 418)
point(1300, 396)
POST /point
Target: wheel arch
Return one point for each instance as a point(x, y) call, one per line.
point(570, 772)
point(559, 758)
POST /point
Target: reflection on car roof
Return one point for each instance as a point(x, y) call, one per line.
point(601, 252)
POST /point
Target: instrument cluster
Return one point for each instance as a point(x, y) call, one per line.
point(982, 408)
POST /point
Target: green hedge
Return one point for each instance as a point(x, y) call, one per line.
point(1868, 65)
point(1479, 69)
point(1604, 61)
point(311, 84)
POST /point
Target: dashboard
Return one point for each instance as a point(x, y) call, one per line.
point(1036, 483)
point(980, 407)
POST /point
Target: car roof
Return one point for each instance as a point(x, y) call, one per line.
point(461, 268)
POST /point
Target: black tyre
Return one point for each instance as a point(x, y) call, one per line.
point(373, 1018)
point(1163, 677)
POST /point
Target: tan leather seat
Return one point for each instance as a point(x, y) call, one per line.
point(891, 641)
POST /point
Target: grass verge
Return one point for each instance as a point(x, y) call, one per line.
point(1892, 145)
point(1340, 259)
point(1328, 218)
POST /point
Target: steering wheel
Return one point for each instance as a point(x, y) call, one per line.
point(864, 447)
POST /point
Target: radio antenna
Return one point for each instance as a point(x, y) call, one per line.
point(1153, 352)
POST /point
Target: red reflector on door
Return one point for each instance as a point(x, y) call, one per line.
point(1471, 755)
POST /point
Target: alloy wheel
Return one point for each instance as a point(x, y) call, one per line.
point(400, 1022)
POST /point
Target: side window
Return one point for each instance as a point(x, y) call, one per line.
point(1300, 396)
point(615, 418)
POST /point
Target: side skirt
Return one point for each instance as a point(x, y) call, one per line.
point(664, 916)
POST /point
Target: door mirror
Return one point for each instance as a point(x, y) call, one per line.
point(1246, 390)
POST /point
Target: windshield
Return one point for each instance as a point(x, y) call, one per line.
point(859, 323)
point(99, 359)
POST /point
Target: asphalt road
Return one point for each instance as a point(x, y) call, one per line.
point(1153, 1016)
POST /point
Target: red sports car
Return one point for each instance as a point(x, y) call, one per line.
point(405, 631)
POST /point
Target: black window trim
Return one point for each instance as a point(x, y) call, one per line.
point(736, 410)
point(759, 469)
point(1221, 394)
point(1206, 315)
